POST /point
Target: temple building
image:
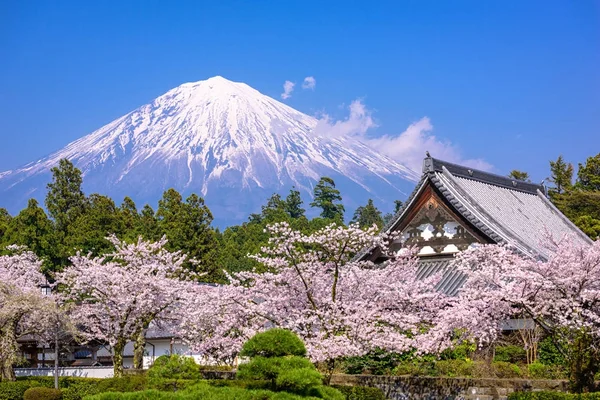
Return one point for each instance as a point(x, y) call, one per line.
point(454, 207)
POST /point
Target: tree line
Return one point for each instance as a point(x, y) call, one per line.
point(74, 222)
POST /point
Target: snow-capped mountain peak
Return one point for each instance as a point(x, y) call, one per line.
point(215, 137)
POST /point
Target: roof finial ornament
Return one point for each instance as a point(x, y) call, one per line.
point(427, 154)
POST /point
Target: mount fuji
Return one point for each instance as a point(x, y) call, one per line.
point(223, 140)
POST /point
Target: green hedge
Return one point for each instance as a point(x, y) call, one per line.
point(207, 392)
point(14, 390)
point(42, 393)
point(553, 396)
point(73, 388)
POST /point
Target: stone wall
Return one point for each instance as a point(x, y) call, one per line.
point(432, 388)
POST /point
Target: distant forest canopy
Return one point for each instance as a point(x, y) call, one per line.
point(76, 222)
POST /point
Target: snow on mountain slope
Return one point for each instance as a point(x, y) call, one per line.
point(222, 139)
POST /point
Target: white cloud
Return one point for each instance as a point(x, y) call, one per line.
point(288, 88)
point(407, 148)
point(359, 121)
point(410, 146)
point(309, 83)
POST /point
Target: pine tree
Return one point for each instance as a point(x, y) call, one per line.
point(130, 218)
point(147, 226)
point(366, 216)
point(519, 175)
point(588, 174)
point(100, 219)
point(65, 200)
point(328, 199)
point(398, 205)
point(187, 227)
point(293, 204)
point(5, 218)
point(32, 228)
point(561, 175)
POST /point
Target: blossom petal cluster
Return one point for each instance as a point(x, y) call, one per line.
point(339, 305)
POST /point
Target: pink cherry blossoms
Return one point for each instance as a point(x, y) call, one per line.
point(562, 292)
point(22, 306)
point(118, 295)
point(338, 305)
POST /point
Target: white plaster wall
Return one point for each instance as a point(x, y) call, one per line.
point(85, 372)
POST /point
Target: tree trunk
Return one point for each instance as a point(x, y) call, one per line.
point(9, 346)
point(8, 374)
point(138, 350)
point(118, 358)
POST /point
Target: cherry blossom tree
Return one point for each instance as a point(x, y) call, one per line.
point(339, 305)
point(119, 294)
point(23, 309)
point(560, 294)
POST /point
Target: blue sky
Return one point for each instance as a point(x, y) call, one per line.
point(512, 83)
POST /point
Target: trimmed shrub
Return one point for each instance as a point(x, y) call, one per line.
point(172, 385)
point(510, 354)
point(274, 343)
point(131, 383)
point(175, 367)
point(161, 360)
point(78, 391)
point(42, 393)
point(298, 380)
point(361, 392)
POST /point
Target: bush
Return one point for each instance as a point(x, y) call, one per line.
point(79, 390)
point(361, 392)
point(298, 380)
point(174, 367)
point(274, 343)
point(131, 383)
point(454, 368)
point(510, 354)
point(206, 392)
point(549, 354)
point(330, 393)
point(261, 368)
point(506, 370)
point(172, 385)
point(416, 366)
point(161, 360)
point(42, 393)
point(376, 362)
point(14, 390)
point(538, 370)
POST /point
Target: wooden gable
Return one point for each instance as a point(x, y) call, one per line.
point(434, 227)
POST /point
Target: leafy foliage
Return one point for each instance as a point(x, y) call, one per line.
point(367, 216)
point(328, 199)
point(510, 353)
point(42, 393)
point(274, 343)
point(519, 175)
point(175, 367)
point(276, 356)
